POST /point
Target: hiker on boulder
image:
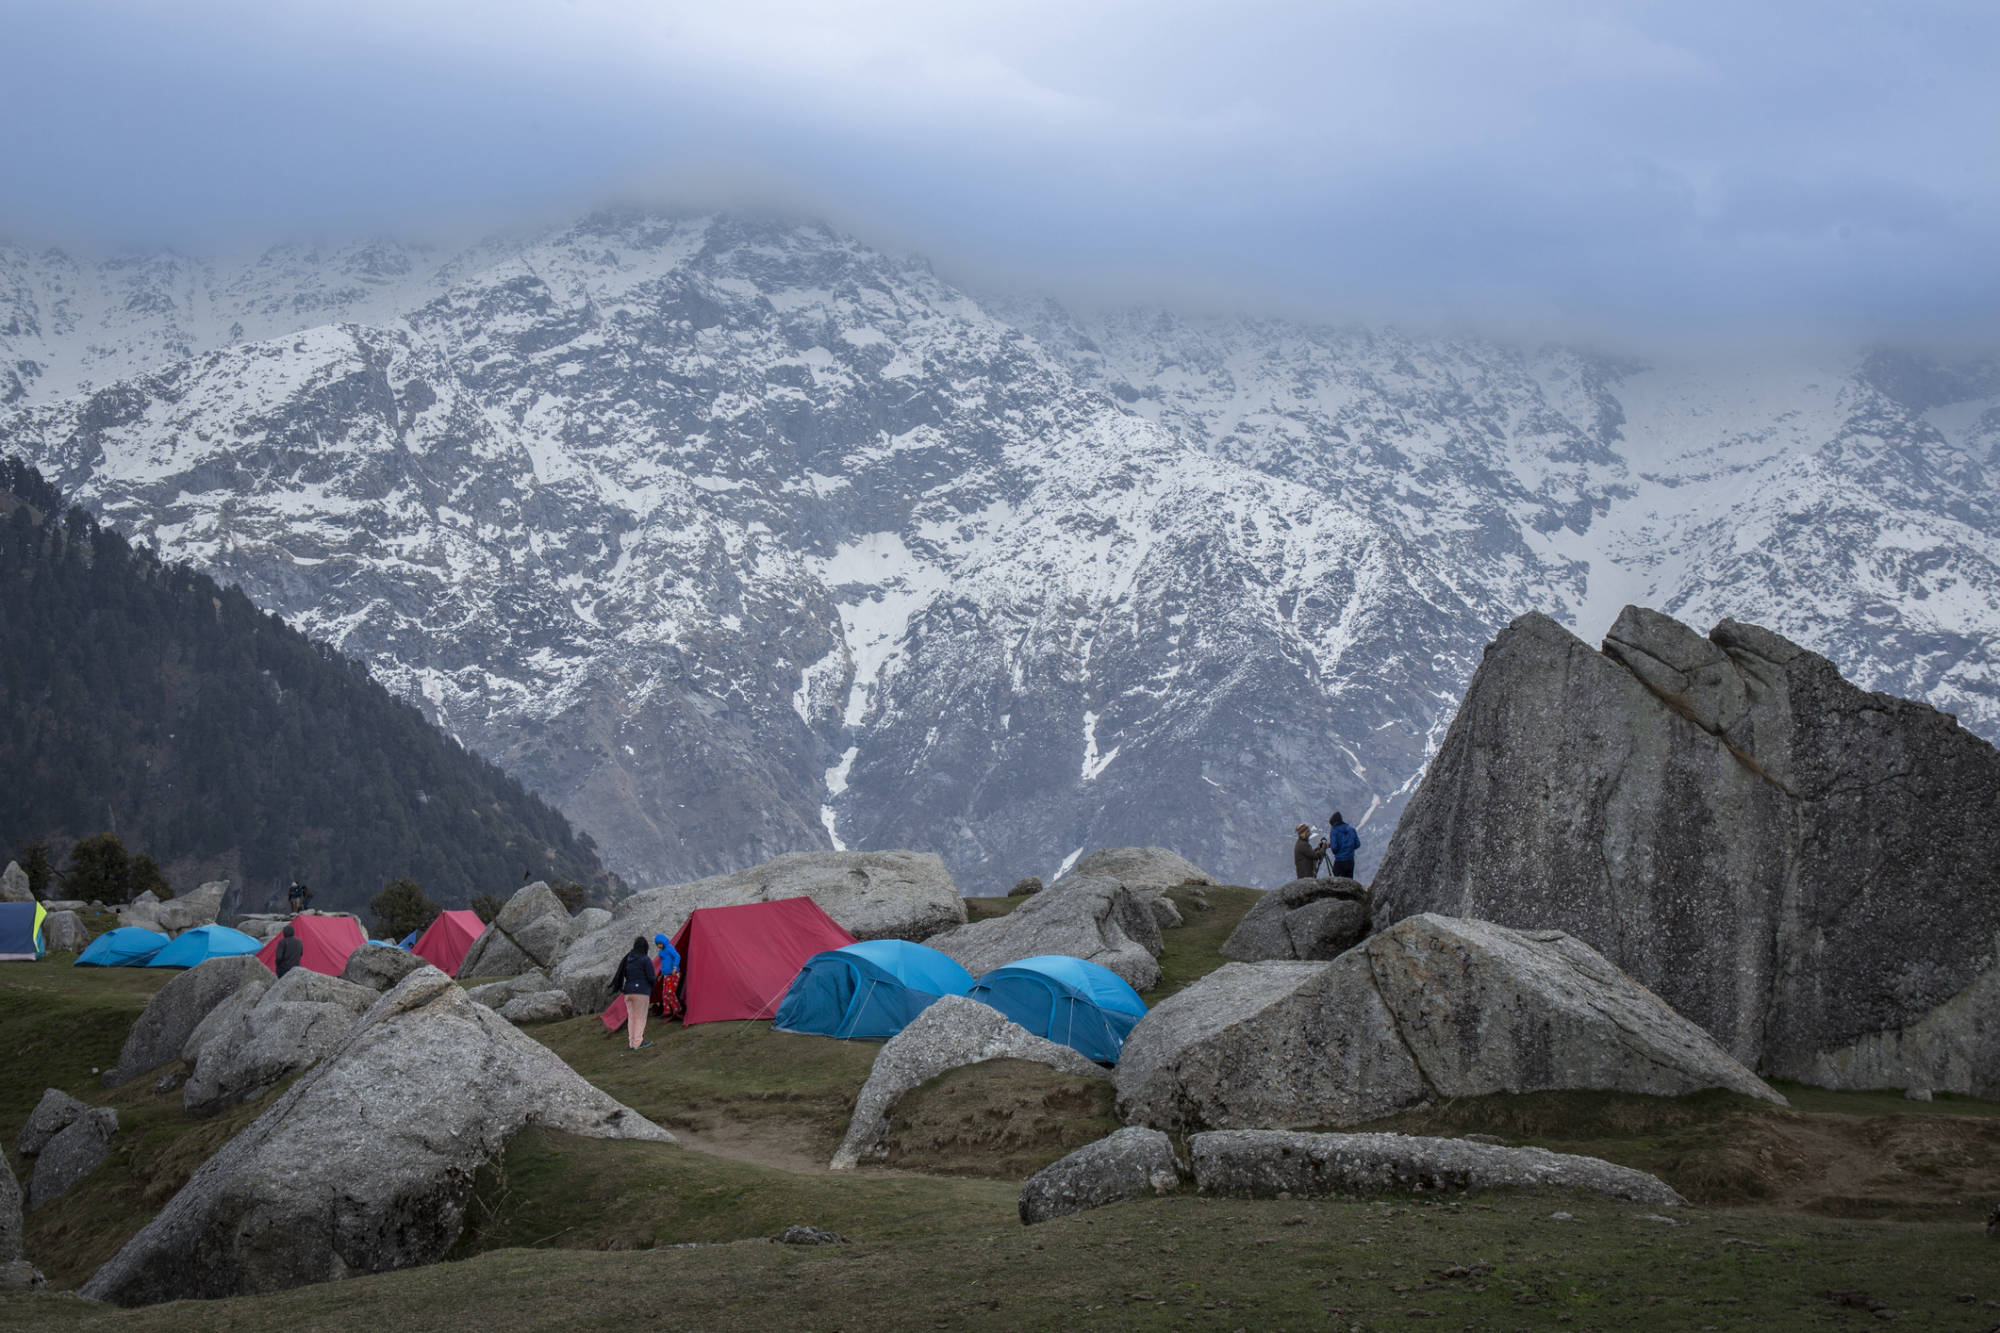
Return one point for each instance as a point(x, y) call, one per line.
point(1342, 842)
point(1305, 856)
point(291, 952)
point(634, 980)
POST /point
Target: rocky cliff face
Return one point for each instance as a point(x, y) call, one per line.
point(1804, 868)
point(736, 538)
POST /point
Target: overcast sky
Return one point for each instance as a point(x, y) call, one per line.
point(1818, 163)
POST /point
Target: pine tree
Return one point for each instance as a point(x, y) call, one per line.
point(400, 908)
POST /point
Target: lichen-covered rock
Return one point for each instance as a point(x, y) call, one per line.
point(1128, 1164)
point(543, 1006)
point(394, 1125)
point(1801, 867)
point(872, 895)
point(54, 1113)
point(64, 932)
point(1099, 920)
point(298, 1021)
point(953, 1032)
point(199, 907)
point(1307, 919)
point(177, 1009)
point(14, 885)
point(1264, 1163)
point(71, 1155)
point(1432, 1007)
point(379, 966)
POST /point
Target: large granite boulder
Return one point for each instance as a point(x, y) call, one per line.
point(262, 927)
point(1433, 1007)
point(531, 931)
point(71, 1155)
point(953, 1032)
point(177, 1008)
point(198, 908)
point(1267, 1164)
point(64, 932)
point(1147, 871)
point(14, 885)
point(1800, 866)
point(224, 1017)
point(1305, 920)
point(302, 1017)
point(142, 913)
point(379, 966)
point(872, 895)
point(54, 1113)
point(1095, 919)
point(367, 1163)
point(1128, 1164)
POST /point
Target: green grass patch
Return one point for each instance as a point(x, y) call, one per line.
point(60, 1026)
point(1193, 949)
point(930, 1254)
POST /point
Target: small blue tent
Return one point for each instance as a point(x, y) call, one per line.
point(194, 947)
point(21, 932)
point(870, 989)
point(408, 941)
point(1081, 1005)
point(127, 946)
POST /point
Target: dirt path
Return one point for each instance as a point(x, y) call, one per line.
point(780, 1146)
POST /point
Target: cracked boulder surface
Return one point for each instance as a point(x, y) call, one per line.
point(1802, 867)
point(1433, 1008)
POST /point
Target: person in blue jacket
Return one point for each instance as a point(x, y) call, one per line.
point(1342, 843)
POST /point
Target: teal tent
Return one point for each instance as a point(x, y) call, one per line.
point(194, 947)
point(870, 989)
point(127, 946)
point(21, 932)
point(1080, 1005)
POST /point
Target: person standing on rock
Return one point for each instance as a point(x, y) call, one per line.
point(1342, 842)
point(1305, 856)
point(635, 983)
point(291, 951)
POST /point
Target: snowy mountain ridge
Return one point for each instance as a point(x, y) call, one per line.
point(733, 537)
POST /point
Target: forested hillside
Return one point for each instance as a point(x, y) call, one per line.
point(140, 697)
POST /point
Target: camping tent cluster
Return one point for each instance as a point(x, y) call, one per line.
point(790, 961)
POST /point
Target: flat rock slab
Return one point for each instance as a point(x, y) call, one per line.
point(71, 1155)
point(1264, 1163)
point(953, 1032)
point(1128, 1164)
point(1098, 920)
point(871, 895)
point(1434, 1007)
point(367, 1162)
point(177, 1009)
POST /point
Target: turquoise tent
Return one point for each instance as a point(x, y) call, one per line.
point(194, 947)
point(21, 932)
point(870, 989)
point(127, 946)
point(1081, 1005)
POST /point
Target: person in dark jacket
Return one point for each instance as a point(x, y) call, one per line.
point(635, 982)
point(1342, 842)
point(291, 951)
point(1305, 856)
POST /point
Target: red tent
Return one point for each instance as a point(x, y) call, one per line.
point(737, 962)
point(328, 940)
point(448, 939)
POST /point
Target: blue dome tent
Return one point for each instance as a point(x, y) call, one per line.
point(127, 946)
point(194, 947)
point(1080, 1005)
point(871, 989)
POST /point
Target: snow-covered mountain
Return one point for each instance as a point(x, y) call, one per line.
point(735, 537)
